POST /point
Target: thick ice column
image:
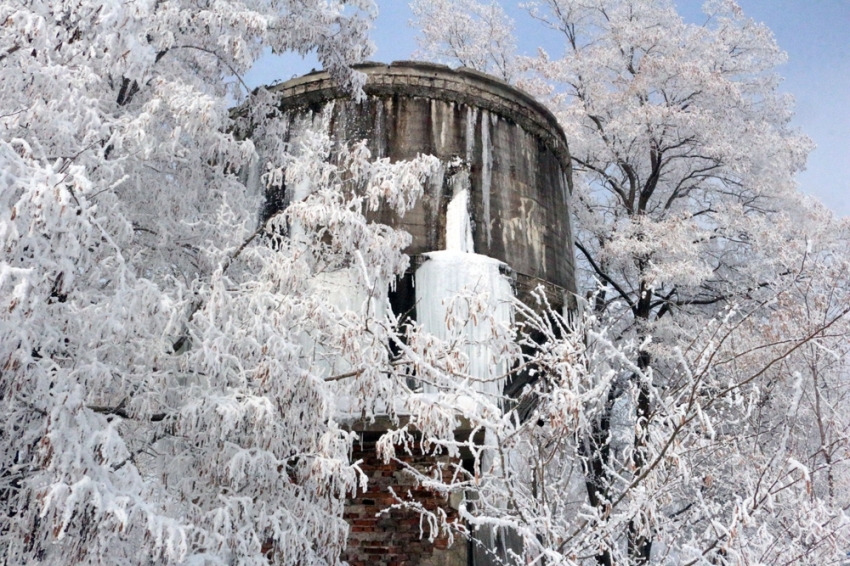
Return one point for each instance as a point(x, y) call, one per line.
point(438, 280)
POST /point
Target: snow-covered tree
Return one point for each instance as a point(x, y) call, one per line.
point(705, 267)
point(176, 359)
point(163, 394)
point(475, 35)
point(746, 459)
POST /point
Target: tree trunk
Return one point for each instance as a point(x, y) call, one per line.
point(596, 450)
point(640, 545)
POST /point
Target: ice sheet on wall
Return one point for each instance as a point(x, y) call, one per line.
point(439, 279)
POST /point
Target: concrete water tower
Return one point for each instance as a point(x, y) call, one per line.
point(501, 199)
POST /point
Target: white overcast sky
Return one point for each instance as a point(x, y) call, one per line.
point(814, 33)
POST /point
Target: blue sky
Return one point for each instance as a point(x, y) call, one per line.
point(814, 33)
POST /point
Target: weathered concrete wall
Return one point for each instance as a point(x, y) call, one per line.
point(510, 146)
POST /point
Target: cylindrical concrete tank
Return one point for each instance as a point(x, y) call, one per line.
point(495, 140)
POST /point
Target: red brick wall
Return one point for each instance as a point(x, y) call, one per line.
point(393, 538)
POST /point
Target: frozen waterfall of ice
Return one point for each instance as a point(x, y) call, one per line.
point(440, 278)
point(446, 273)
point(458, 225)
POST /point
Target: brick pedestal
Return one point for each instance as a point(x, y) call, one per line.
point(394, 538)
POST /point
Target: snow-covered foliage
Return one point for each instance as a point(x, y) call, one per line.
point(699, 422)
point(160, 401)
point(744, 458)
point(176, 357)
point(477, 36)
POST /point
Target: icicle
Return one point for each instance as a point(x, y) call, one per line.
point(458, 224)
point(340, 122)
point(471, 117)
point(435, 123)
point(486, 171)
point(565, 187)
point(444, 123)
point(251, 176)
point(380, 138)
